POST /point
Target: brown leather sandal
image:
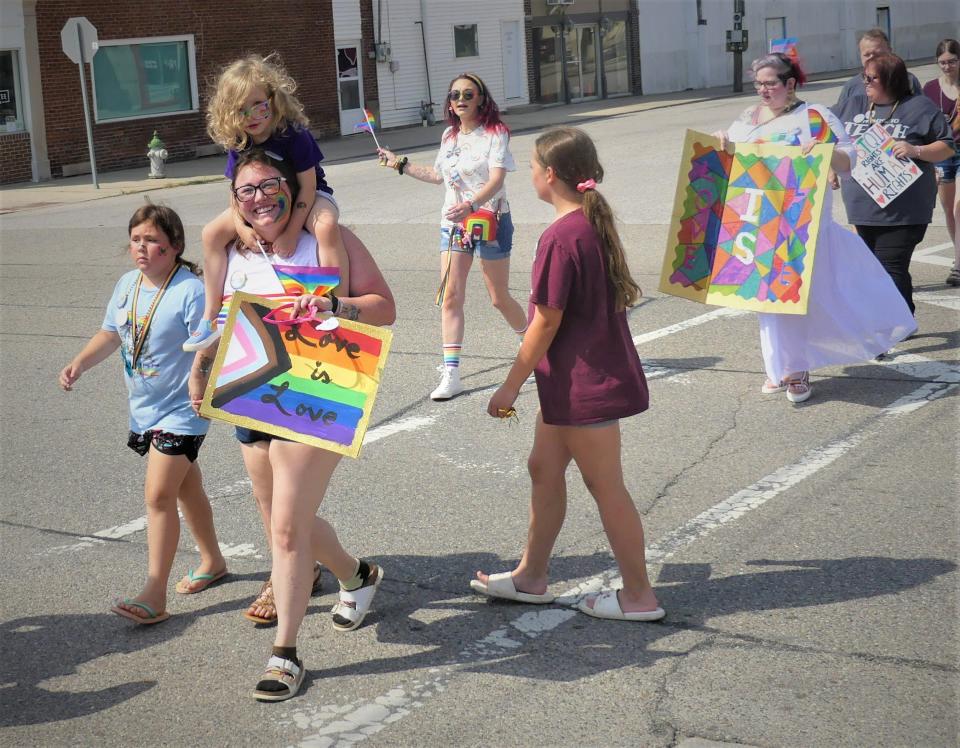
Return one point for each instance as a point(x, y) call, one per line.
point(265, 599)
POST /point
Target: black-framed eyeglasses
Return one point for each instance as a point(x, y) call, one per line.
point(868, 79)
point(758, 85)
point(465, 95)
point(249, 191)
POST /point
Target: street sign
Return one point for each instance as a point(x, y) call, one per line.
point(71, 34)
point(80, 43)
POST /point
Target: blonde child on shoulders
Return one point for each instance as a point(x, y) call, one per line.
point(254, 106)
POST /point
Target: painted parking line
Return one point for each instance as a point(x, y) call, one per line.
point(347, 724)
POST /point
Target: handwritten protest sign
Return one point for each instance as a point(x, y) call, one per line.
point(744, 228)
point(292, 380)
point(882, 175)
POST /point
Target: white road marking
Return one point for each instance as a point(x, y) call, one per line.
point(347, 724)
point(410, 423)
point(929, 256)
point(710, 316)
point(946, 300)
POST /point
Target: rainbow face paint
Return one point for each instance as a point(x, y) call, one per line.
point(283, 206)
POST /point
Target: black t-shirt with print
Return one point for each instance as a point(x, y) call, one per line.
point(917, 120)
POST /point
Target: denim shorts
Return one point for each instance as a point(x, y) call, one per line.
point(498, 249)
point(947, 170)
point(166, 443)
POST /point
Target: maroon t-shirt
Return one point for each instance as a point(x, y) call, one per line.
point(591, 372)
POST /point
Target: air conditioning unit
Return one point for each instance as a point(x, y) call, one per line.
point(559, 2)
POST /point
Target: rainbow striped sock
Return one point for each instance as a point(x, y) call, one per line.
point(451, 355)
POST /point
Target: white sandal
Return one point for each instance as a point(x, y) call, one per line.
point(288, 674)
point(607, 605)
point(501, 586)
point(353, 605)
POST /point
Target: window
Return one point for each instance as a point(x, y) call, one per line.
point(11, 105)
point(465, 40)
point(135, 78)
point(883, 20)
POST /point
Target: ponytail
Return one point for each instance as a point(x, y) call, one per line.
point(572, 155)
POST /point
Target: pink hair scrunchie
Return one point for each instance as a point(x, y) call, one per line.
point(590, 184)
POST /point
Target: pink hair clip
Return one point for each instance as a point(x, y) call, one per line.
point(590, 184)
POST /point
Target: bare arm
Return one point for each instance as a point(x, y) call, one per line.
point(939, 150)
point(543, 329)
point(369, 299)
point(421, 173)
point(99, 347)
point(304, 202)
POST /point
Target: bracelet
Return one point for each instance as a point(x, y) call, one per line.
point(334, 303)
point(916, 151)
point(401, 164)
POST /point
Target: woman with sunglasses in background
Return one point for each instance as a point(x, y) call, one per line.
point(472, 163)
point(922, 134)
point(853, 310)
point(944, 92)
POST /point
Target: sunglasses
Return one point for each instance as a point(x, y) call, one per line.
point(249, 191)
point(868, 79)
point(260, 110)
point(465, 95)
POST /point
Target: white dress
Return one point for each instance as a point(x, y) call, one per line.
point(854, 311)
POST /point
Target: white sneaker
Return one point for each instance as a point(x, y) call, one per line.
point(449, 384)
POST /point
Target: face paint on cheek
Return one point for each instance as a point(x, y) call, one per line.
point(282, 205)
point(163, 250)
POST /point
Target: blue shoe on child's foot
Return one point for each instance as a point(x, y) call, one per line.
point(203, 337)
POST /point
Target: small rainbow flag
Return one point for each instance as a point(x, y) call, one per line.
point(367, 125)
point(819, 128)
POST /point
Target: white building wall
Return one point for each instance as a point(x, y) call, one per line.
point(403, 88)
point(677, 53)
point(346, 20)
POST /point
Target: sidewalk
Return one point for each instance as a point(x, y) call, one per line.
point(359, 146)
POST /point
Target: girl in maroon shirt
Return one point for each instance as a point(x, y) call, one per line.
point(588, 377)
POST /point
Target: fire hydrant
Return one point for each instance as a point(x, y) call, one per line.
point(158, 156)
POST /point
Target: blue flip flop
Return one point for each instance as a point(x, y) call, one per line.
point(151, 617)
point(192, 576)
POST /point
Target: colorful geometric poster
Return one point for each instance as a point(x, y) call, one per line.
point(293, 380)
point(882, 175)
point(744, 228)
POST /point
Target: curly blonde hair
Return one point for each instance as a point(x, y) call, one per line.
point(225, 122)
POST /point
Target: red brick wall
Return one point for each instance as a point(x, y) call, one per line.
point(15, 158)
point(301, 31)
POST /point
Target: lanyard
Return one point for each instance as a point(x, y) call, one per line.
point(140, 333)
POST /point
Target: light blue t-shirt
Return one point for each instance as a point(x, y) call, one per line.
point(158, 386)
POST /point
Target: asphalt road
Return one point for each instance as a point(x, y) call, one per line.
point(807, 555)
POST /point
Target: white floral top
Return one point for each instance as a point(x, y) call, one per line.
point(465, 161)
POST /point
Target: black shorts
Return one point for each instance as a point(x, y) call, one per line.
point(166, 443)
point(249, 436)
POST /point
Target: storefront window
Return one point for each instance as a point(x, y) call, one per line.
point(145, 78)
point(615, 64)
point(11, 115)
point(547, 51)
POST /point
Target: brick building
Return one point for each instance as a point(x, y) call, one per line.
point(154, 69)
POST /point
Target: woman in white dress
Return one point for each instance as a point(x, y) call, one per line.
point(854, 311)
